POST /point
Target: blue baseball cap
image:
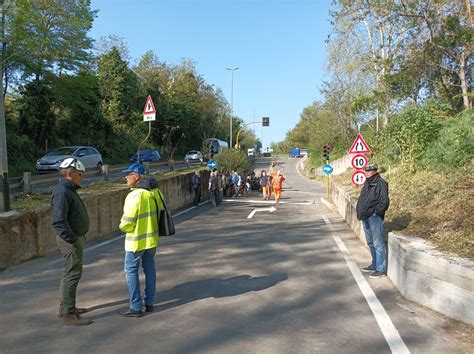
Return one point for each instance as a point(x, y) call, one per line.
point(136, 167)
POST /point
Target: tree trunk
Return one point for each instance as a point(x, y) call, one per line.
point(462, 77)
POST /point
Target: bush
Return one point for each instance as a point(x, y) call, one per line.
point(455, 145)
point(232, 159)
point(411, 132)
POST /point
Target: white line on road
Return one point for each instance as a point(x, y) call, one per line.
point(271, 210)
point(389, 331)
point(265, 201)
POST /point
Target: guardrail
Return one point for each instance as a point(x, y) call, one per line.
point(29, 181)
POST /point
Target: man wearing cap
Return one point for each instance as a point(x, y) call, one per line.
point(371, 207)
point(140, 223)
point(71, 222)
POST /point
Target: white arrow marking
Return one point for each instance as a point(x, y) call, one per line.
point(271, 210)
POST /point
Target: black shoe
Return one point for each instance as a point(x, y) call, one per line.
point(377, 274)
point(149, 308)
point(79, 311)
point(369, 268)
point(131, 313)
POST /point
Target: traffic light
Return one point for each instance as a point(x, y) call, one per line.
point(265, 122)
point(326, 152)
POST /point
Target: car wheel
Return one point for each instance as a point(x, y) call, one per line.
point(99, 168)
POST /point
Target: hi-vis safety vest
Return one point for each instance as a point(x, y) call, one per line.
point(140, 220)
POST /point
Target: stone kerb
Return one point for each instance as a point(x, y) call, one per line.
point(29, 235)
point(421, 274)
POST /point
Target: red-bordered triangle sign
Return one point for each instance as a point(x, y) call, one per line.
point(359, 146)
point(149, 107)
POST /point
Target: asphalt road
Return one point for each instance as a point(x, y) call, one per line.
point(282, 281)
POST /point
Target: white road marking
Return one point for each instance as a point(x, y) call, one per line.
point(265, 201)
point(299, 163)
point(389, 331)
point(271, 210)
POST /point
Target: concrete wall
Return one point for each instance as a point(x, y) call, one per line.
point(29, 235)
point(421, 274)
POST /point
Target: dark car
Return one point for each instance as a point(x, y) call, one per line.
point(266, 154)
point(89, 156)
point(146, 155)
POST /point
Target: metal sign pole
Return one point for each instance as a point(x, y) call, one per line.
point(139, 147)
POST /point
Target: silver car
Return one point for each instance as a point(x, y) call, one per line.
point(89, 156)
point(193, 155)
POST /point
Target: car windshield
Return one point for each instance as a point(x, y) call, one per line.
point(61, 151)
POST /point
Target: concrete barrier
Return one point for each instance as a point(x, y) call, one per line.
point(421, 273)
point(24, 236)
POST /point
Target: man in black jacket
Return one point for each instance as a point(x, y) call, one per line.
point(71, 222)
point(371, 207)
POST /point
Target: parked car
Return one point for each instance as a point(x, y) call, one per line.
point(193, 155)
point(266, 154)
point(146, 155)
point(303, 152)
point(89, 156)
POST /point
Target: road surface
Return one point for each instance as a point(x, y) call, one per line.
point(282, 281)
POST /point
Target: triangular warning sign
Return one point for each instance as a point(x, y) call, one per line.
point(359, 146)
point(149, 107)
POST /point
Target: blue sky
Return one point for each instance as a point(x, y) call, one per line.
point(277, 45)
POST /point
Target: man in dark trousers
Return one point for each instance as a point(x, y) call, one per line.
point(371, 207)
point(71, 223)
point(196, 182)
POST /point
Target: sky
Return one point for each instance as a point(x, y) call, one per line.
point(278, 46)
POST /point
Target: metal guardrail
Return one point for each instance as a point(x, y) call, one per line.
point(29, 181)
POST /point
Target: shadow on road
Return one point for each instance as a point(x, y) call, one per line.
point(202, 289)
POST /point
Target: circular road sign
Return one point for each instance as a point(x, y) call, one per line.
point(358, 178)
point(211, 164)
point(327, 169)
point(359, 161)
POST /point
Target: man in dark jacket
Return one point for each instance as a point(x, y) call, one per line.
point(71, 222)
point(371, 207)
point(196, 182)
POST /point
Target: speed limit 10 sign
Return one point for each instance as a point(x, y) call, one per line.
point(359, 161)
point(358, 178)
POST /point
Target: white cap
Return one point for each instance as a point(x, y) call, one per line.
point(74, 163)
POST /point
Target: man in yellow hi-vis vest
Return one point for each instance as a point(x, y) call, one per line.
point(140, 223)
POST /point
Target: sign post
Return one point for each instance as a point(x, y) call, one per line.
point(149, 115)
point(327, 169)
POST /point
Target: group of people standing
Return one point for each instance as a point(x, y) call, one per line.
point(233, 185)
point(139, 222)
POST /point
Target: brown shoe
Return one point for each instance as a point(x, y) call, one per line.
point(79, 311)
point(73, 319)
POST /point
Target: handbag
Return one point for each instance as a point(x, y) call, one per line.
point(165, 220)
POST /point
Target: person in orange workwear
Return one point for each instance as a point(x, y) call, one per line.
point(277, 185)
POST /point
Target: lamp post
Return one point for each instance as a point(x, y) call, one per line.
point(231, 103)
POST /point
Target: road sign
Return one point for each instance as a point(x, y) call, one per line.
point(211, 164)
point(359, 146)
point(149, 112)
point(327, 169)
point(358, 178)
point(359, 161)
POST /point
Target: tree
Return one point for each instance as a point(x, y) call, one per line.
point(118, 89)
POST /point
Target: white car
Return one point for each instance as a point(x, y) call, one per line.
point(303, 152)
point(89, 156)
point(193, 155)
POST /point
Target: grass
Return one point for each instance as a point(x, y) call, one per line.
point(437, 207)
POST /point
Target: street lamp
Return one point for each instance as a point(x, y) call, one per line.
point(231, 103)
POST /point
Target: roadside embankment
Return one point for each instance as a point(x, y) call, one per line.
point(28, 235)
point(422, 274)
